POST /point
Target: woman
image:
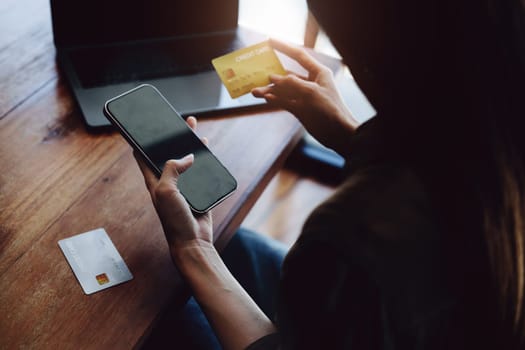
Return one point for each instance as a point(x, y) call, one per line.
point(422, 247)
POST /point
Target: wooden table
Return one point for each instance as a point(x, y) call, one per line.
point(57, 180)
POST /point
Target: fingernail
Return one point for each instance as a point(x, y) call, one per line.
point(188, 157)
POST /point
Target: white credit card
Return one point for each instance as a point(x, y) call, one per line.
point(94, 260)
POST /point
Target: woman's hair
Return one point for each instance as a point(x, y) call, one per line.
point(504, 215)
point(481, 187)
point(448, 80)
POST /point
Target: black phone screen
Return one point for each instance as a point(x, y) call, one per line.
point(153, 126)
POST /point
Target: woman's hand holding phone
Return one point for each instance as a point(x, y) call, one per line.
point(181, 226)
point(153, 127)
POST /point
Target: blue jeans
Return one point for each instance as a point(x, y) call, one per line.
point(255, 261)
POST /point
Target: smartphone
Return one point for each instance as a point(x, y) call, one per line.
point(156, 130)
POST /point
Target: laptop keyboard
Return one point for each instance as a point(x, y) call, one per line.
point(100, 66)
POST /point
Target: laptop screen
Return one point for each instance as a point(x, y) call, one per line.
point(91, 22)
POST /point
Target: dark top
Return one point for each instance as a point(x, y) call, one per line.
point(367, 272)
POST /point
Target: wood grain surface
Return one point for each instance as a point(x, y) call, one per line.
point(58, 180)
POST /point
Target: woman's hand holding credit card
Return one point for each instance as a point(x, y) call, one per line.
point(311, 96)
point(248, 68)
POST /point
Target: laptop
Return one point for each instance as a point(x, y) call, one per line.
point(106, 47)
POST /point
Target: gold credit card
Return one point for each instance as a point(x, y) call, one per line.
point(247, 68)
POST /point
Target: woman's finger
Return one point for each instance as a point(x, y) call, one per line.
point(149, 177)
point(286, 91)
point(289, 104)
point(192, 122)
point(270, 98)
point(298, 54)
point(175, 167)
point(166, 190)
point(300, 76)
point(261, 91)
point(291, 87)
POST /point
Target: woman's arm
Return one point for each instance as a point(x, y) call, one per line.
point(236, 319)
point(314, 100)
point(234, 316)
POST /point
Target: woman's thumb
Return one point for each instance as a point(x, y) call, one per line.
point(175, 167)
